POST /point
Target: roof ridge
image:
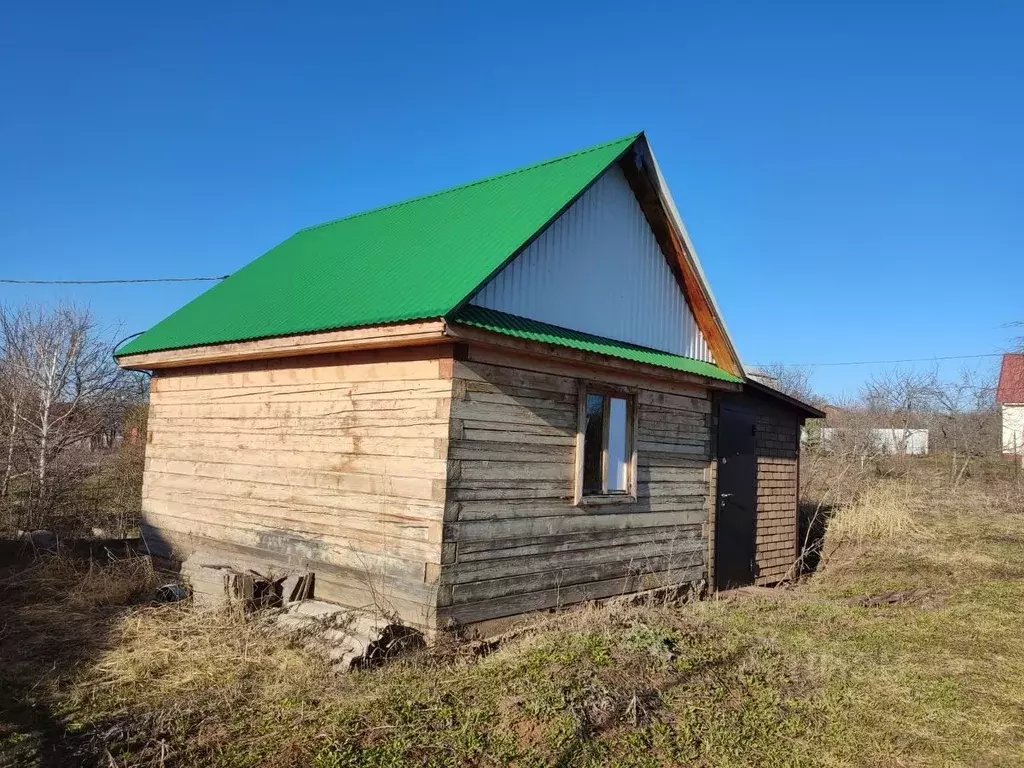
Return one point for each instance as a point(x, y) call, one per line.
point(466, 185)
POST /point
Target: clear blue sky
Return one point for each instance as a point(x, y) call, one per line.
point(852, 174)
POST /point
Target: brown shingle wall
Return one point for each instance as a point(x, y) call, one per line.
point(712, 503)
point(777, 462)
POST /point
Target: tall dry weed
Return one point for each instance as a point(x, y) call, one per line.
point(880, 511)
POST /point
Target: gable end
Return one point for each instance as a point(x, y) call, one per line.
point(600, 269)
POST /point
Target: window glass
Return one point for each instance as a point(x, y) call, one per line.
point(593, 444)
point(617, 460)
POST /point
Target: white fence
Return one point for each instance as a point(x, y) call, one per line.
point(913, 442)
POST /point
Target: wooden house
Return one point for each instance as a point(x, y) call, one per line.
point(504, 397)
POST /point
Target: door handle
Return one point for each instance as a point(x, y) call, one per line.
point(725, 495)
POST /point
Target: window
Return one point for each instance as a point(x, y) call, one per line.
point(605, 450)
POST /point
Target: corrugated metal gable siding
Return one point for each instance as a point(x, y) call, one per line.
point(599, 269)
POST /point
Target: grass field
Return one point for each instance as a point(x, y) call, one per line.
point(804, 675)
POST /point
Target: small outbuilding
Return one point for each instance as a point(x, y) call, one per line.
point(508, 396)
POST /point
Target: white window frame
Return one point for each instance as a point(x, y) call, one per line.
point(630, 395)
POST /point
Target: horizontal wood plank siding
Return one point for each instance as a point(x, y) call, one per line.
point(335, 464)
point(514, 540)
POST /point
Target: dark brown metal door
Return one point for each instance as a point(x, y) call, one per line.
point(736, 522)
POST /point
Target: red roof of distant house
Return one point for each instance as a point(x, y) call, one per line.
point(1011, 380)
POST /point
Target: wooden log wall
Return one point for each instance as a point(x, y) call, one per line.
point(514, 540)
point(334, 464)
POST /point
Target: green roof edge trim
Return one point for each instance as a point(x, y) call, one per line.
point(534, 330)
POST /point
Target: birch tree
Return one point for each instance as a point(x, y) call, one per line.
point(60, 382)
point(12, 395)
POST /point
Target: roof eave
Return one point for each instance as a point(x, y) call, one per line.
point(466, 333)
point(401, 334)
point(806, 408)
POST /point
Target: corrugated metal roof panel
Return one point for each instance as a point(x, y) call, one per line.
point(407, 261)
point(533, 330)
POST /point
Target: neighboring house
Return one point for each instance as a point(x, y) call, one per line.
point(1010, 398)
point(504, 397)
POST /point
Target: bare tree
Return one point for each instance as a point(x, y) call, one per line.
point(60, 384)
point(125, 473)
point(900, 397)
point(896, 403)
point(792, 380)
point(1018, 342)
point(966, 419)
point(12, 395)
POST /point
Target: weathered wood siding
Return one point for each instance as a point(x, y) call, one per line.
point(333, 463)
point(514, 541)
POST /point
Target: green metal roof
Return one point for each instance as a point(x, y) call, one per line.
point(533, 330)
point(412, 260)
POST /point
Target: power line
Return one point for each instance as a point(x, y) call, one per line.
point(884, 362)
point(112, 282)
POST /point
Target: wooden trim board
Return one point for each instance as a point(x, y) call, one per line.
point(348, 339)
point(600, 363)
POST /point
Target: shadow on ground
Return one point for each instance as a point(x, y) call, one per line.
point(814, 519)
point(57, 613)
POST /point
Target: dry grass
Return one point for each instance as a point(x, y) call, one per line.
point(54, 618)
point(881, 511)
point(934, 682)
point(808, 680)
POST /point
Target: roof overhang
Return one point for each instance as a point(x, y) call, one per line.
point(807, 409)
point(344, 340)
point(581, 357)
point(422, 333)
